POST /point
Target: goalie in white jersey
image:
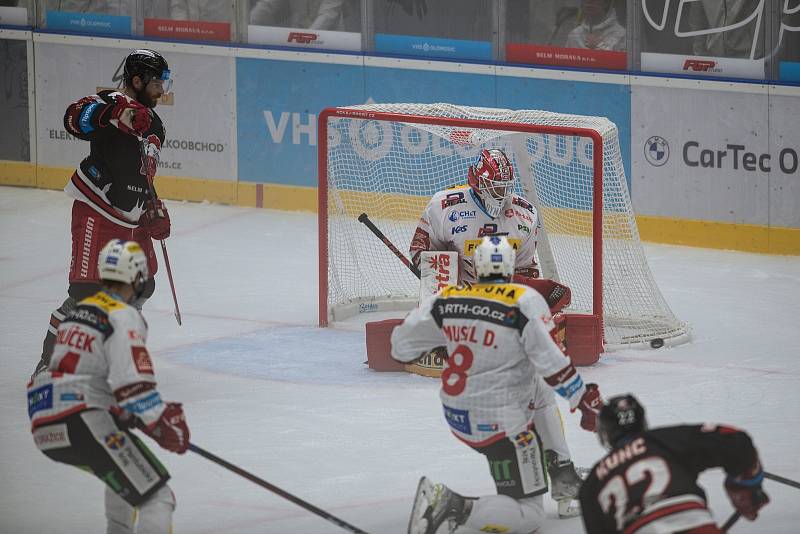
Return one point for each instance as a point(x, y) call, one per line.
point(457, 218)
point(98, 385)
point(499, 337)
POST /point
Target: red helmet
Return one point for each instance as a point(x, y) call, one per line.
point(492, 178)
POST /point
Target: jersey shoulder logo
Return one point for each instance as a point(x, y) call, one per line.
point(92, 316)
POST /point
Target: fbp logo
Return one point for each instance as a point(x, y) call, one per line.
point(699, 65)
point(302, 37)
point(656, 151)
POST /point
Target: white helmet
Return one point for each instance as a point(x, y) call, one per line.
point(123, 261)
point(495, 256)
point(492, 179)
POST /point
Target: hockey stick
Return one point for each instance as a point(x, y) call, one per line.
point(782, 480)
point(731, 521)
point(151, 184)
point(363, 218)
point(275, 489)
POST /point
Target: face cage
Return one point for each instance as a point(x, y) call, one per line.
point(488, 188)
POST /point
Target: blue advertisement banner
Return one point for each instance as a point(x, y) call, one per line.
point(789, 71)
point(579, 98)
point(410, 45)
point(88, 23)
point(277, 104)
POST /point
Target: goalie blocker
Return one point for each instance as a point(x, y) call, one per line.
point(578, 334)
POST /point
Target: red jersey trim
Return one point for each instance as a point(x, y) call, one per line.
point(662, 512)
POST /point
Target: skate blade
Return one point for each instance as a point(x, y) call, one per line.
point(416, 523)
point(568, 508)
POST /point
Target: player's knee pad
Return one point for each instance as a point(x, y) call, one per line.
point(500, 513)
point(120, 516)
point(155, 514)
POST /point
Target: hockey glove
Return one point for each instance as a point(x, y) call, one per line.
point(746, 494)
point(590, 405)
point(170, 430)
point(157, 220)
point(130, 116)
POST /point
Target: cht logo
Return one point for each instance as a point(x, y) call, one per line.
point(656, 151)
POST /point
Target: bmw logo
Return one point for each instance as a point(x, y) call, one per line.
point(656, 151)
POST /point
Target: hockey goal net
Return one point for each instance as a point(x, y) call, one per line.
point(386, 160)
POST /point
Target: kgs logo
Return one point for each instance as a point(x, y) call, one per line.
point(656, 151)
point(700, 65)
point(465, 214)
point(302, 38)
point(458, 229)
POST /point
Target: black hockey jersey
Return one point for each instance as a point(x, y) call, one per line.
point(112, 178)
point(649, 484)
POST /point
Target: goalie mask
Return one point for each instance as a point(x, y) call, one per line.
point(492, 179)
point(124, 261)
point(494, 258)
point(620, 417)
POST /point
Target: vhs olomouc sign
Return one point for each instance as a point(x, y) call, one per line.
point(198, 115)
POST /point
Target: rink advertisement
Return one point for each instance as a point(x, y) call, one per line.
point(277, 122)
point(199, 123)
point(15, 143)
point(716, 156)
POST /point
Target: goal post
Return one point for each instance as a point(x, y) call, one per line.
point(387, 160)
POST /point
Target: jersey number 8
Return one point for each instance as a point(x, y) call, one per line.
point(454, 377)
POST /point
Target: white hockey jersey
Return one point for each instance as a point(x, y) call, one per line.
point(499, 339)
point(99, 360)
point(455, 219)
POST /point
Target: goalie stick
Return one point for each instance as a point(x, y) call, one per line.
point(151, 184)
point(364, 218)
point(275, 489)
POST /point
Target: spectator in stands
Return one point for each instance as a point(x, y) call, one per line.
point(599, 28)
point(715, 16)
point(310, 14)
point(210, 10)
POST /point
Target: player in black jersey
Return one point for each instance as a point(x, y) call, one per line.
point(648, 481)
point(111, 186)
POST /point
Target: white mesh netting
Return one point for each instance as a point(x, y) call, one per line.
point(388, 167)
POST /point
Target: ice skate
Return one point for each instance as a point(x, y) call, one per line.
point(565, 482)
point(435, 505)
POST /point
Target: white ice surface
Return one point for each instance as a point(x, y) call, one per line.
point(266, 389)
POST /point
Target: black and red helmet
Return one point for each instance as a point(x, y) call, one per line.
point(148, 65)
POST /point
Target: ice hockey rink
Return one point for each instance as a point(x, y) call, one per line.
point(266, 389)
